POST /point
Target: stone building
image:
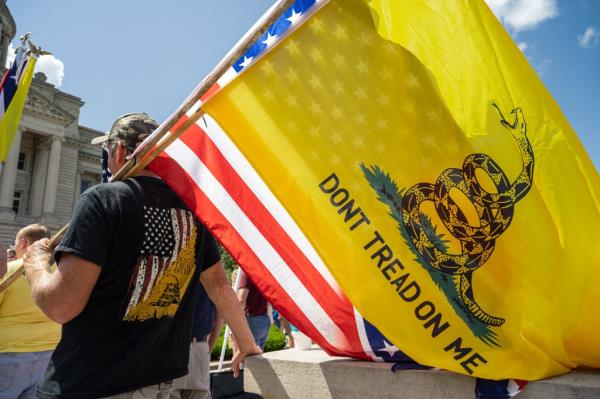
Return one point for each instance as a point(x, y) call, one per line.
point(51, 161)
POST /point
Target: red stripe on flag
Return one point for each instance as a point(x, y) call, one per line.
point(4, 80)
point(338, 308)
point(146, 278)
point(213, 89)
point(186, 188)
point(197, 140)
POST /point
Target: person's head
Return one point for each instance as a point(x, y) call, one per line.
point(126, 133)
point(27, 236)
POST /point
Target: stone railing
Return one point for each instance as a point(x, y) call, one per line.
point(293, 374)
point(27, 219)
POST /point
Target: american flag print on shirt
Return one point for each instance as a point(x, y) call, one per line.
point(165, 265)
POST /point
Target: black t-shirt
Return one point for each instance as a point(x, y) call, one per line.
point(136, 328)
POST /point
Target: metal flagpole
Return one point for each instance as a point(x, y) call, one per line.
point(227, 62)
point(150, 149)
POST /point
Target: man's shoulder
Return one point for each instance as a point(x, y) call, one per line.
point(108, 196)
point(107, 189)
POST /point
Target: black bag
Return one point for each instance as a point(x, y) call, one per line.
point(224, 386)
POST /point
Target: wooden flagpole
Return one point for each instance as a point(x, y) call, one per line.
point(161, 138)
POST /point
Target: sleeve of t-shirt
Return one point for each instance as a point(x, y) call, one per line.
point(244, 280)
point(209, 252)
point(89, 232)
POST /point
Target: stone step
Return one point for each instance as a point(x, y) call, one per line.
point(293, 374)
point(214, 365)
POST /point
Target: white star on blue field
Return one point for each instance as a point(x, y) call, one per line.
point(120, 56)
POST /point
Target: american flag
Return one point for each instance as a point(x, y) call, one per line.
point(13, 93)
point(206, 169)
point(12, 79)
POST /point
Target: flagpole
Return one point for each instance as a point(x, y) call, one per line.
point(148, 151)
point(135, 164)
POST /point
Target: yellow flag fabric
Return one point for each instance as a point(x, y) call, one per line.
point(11, 118)
point(481, 216)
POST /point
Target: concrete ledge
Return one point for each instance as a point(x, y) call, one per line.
point(214, 365)
point(292, 374)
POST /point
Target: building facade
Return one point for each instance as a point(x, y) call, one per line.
point(51, 161)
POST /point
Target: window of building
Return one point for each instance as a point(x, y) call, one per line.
point(16, 202)
point(22, 159)
point(85, 184)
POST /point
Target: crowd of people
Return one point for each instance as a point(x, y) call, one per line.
point(131, 301)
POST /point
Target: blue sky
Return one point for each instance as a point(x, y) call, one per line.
point(134, 55)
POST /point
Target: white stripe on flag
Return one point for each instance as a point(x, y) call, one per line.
point(512, 388)
point(362, 334)
point(153, 274)
point(247, 173)
point(139, 284)
point(220, 198)
point(227, 77)
point(20, 70)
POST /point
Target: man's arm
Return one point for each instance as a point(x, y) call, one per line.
point(216, 331)
point(217, 286)
point(242, 295)
point(61, 294)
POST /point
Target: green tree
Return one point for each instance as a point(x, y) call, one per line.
point(228, 262)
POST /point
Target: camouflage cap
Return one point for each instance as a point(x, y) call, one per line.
point(131, 129)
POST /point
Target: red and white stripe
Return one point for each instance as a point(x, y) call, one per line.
point(22, 61)
point(217, 182)
point(210, 174)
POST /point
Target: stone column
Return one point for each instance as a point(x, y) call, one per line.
point(3, 53)
point(52, 176)
point(38, 183)
point(4, 50)
point(9, 178)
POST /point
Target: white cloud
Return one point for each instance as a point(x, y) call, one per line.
point(522, 46)
point(589, 38)
point(523, 14)
point(497, 5)
point(542, 66)
point(53, 68)
point(11, 55)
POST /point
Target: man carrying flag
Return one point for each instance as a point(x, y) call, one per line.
point(128, 271)
point(407, 154)
point(13, 92)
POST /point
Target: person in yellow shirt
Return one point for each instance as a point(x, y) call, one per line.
point(27, 336)
point(3, 258)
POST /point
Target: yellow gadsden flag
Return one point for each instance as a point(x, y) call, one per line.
point(13, 92)
point(437, 179)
